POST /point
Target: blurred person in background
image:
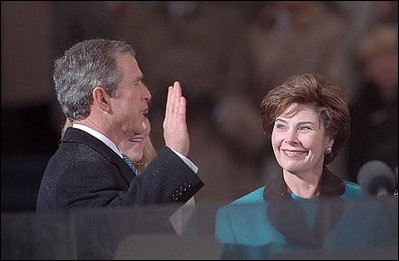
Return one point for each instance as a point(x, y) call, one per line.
point(375, 112)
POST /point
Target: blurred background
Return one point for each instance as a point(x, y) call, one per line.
point(226, 55)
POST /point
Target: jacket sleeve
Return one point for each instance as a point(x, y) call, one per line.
point(166, 179)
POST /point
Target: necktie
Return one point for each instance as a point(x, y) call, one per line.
point(130, 164)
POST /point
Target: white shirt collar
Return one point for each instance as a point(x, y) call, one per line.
point(99, 136)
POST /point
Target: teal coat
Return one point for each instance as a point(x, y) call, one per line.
point(260, 225)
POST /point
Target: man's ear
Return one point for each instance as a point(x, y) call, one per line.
point(101, 99)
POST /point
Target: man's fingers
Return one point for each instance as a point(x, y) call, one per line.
point(177, 88)
point(169, 101)
point(176, 97)
point(176, 103)
point(182, 109)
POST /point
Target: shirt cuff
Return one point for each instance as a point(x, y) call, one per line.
point(187, 161)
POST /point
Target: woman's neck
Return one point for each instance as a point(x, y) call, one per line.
point(304, 185)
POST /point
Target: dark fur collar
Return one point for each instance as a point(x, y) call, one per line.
point(331, 186)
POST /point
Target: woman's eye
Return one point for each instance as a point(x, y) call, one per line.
point(304, 128)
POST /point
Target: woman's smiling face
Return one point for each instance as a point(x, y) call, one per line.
point(299, 139)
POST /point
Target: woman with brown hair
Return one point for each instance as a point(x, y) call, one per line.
point(305, 206)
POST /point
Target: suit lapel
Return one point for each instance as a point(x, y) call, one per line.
point(73, 135)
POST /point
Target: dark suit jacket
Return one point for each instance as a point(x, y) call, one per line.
point(86, 173)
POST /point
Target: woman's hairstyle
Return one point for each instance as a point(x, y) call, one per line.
point(149, 149)
point(83, 67)
point(326, 97)
point(149, 154)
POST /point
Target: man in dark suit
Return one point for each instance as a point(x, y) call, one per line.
point(100, 88)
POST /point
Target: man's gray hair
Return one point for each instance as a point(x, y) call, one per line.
point(84, 66)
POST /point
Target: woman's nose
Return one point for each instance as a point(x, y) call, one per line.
point(291, 135)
